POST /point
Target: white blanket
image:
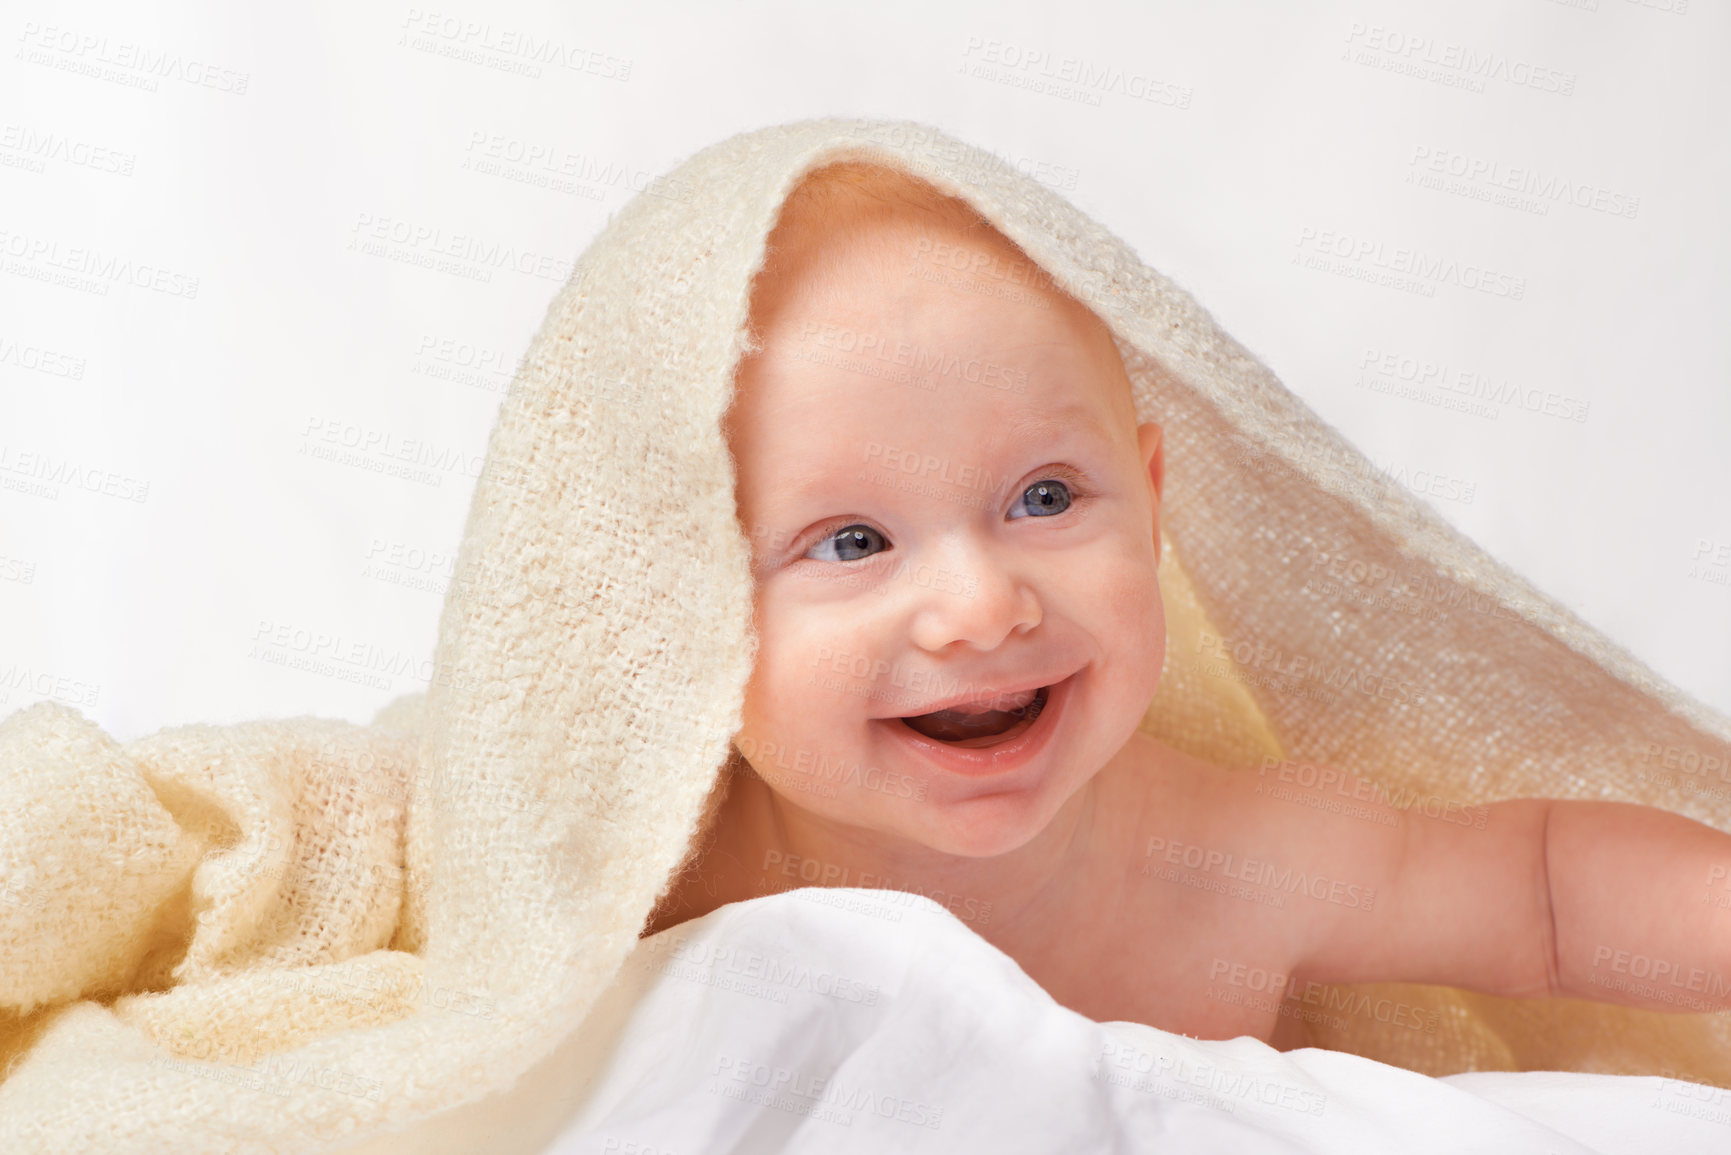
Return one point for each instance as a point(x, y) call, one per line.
point(849, 1020)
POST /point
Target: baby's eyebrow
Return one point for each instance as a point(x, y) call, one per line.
point(1070, 418)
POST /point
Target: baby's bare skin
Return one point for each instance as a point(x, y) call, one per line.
point(1101, 936)
point(1131, 881)
point(1437, 892)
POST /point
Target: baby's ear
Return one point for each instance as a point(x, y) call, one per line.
point(1151, 442)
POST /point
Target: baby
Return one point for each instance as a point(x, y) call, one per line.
point(980, 645)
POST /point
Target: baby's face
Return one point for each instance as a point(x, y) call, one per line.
point(950, 505)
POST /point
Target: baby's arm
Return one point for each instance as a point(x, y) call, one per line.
point(1633, 905)
point(1534, 897)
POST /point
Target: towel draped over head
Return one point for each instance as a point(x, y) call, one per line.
point(298, 935)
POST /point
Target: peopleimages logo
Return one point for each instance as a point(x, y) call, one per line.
point(1422, 267)
point(1459, 65)
point(505, 48)
point(43, 476)
point(1181, 1078)
point(57, 687)
point(33, 149)
point(1545, 187)
point(1261, 872)
point(1256, 653)
point(1066, 77)
point(137, 65)
point(90, 269)
point(773, 969)
point(466, 254)
point(40, 360)
point(1469, 382)
point(827, 1098)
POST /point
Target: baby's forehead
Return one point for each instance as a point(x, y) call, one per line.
point(868, 263)
point(858, 213)
point(905, 272)
point(853, 372)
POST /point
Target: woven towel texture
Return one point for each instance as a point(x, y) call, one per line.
point(299, 935)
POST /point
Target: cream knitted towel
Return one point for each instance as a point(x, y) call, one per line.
point(293, 936)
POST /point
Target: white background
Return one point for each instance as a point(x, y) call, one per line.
point(253, 148)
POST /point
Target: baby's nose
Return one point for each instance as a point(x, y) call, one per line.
point(981, 605)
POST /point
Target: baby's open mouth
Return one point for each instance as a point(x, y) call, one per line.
point(983, 727)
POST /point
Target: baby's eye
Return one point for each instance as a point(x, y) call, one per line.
point(1042, 499)
point(850, 544)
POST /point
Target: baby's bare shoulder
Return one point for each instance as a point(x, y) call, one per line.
point(1346, 881)
point(1260, 875)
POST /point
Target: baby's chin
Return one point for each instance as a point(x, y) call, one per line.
point(979, 827)
point(990, 827)
point(994, 842)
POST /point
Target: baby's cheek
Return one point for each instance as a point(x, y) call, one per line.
point(805, 669)
point(803, 719)
point(1131, 621)
point(1127, 584)
point(782, 735)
